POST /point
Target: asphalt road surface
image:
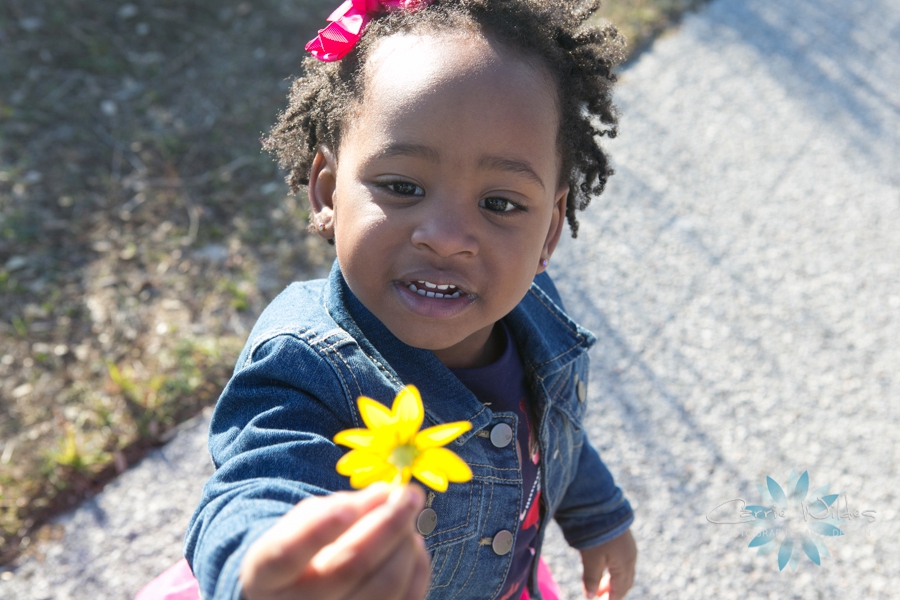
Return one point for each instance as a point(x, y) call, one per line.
point(742, 273)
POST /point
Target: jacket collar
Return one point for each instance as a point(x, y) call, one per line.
point(547, 339)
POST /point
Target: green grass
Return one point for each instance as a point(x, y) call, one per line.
point(640, 21)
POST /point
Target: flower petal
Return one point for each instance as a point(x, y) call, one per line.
point(387, 472)
point(444, 461)
point(355, 438)
point(441, 435)
point(358, 461)
point(436, 480)
point(405, 476)
point(408, 412)
point(358, 472)
point(374, 413)
point(381, 441)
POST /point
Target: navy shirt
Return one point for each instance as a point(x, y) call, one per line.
point(501, 386)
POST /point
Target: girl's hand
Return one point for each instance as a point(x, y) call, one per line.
point(344, 546)
point(618, 556)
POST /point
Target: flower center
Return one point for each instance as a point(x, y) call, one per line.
point(403, 456)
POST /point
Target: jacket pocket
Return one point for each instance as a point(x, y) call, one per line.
point(454, 540)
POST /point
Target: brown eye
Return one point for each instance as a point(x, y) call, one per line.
point(404, 188)
point(497, 204)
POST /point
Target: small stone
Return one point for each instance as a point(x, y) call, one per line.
point(128, 252)
point(82, 351)
point(31, 23)
point(15, 263)
point(109, 108)
point(127, 11)
point(22, 391)
point(34, 311)
point(41, 348)
point(213, 252)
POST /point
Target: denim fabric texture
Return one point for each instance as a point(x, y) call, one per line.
point(314, 350)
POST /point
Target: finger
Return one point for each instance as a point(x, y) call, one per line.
point(421, 576)
point(620, 581)
point(282, 553)
point(392, 579)
point(604, 586)
point(593, 574)
point(387, 523)
point(365, 547)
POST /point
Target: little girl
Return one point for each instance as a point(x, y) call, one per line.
point(444, 145)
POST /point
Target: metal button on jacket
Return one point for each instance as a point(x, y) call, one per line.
point(501, 435)
point(581, 390)
point(502, 542)
point(427, 521)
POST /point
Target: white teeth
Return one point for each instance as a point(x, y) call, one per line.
point(431, 286)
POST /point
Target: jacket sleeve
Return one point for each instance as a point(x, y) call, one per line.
point(270, 441)
point(593, 510)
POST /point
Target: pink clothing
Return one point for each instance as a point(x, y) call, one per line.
point(175, 583)
point(178, 583)
point(546, 584)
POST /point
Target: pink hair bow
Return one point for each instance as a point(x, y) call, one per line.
point(347, 25)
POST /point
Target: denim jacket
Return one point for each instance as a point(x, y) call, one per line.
point(314, 350)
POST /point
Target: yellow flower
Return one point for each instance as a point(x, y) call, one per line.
point(392, 449)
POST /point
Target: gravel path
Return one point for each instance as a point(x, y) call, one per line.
point(743, 276)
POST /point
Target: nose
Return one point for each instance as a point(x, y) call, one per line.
point(446, 229)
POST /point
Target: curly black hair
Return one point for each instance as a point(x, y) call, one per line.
point(579, 56)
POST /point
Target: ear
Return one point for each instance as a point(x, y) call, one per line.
point(322, 183)
point(557, 222)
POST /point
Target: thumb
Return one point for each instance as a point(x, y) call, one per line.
point(593, 574)
point(287, 548)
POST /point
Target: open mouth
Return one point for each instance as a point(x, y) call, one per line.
point(435, 290)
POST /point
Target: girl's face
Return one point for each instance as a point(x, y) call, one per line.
point(448, 175)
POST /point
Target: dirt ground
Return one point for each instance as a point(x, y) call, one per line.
point(141, 227)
